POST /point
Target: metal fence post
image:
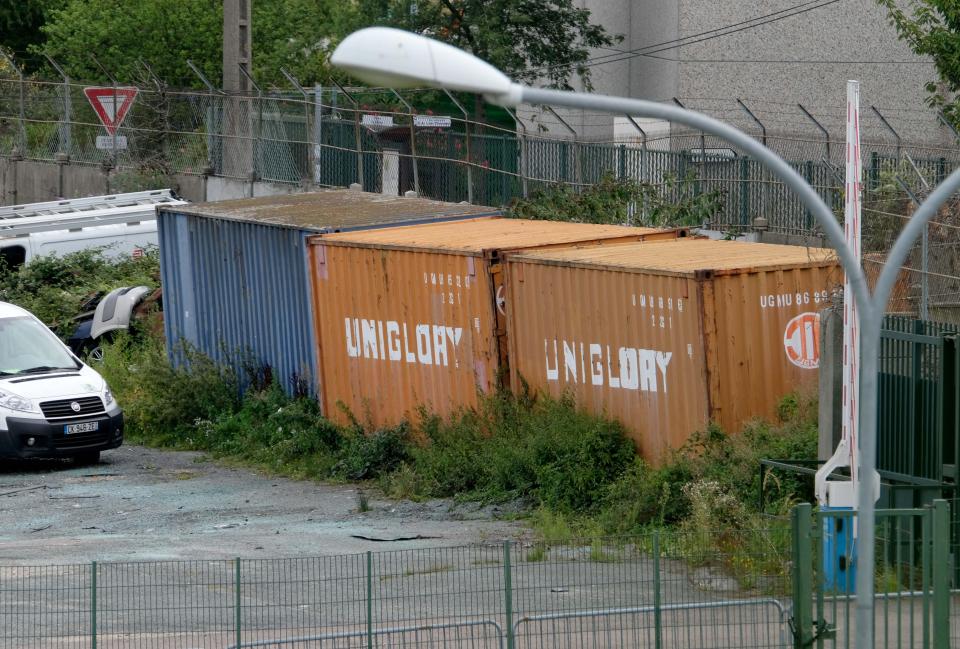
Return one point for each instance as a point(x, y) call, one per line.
point(93, 605)
point(801, 524)
point(356, 130)
point(466, 132)
point(413, 140)
point(308, 173)
point(941, 574)
point(317, 144)
point(257, 158)
point(213, 123)
point(524, 161)
point(657, 621)
point(369, 599)
point(508, 595)
point(236, 613)
point(926, 563)
point(744, 192)
point(826, 133)
point(21, 104)
point(925, 273)
point(64, 130)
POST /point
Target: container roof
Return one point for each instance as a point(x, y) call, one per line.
point(686, 256)
point(481, 235)
point(332, 210)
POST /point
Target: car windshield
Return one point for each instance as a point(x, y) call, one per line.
point(27, 347)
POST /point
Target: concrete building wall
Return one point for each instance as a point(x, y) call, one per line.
point(804, 58)
point(30, 181)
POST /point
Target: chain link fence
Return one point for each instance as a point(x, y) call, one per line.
point(328, 137)
point(661, 589)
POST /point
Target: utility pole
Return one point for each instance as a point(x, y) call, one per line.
point(237, 58)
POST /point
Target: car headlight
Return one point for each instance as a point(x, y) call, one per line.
point(107, 395)
point(12, 401)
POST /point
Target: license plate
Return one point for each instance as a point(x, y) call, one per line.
point(85, 427)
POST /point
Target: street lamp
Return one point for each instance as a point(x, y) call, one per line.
point(392, 57)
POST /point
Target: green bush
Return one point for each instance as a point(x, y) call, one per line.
point(55, 288)
point(644, 496)
point(677, 201)
point(162, 403)
point(545, 450)
point(365, 456)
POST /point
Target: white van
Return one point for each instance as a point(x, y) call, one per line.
point(51, 404)
point(119, 223)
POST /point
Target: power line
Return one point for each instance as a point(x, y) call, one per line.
point(643, 52)
point(785, 61)
point(757, 21)
point(704, 33)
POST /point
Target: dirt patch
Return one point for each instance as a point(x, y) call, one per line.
point(147, 504)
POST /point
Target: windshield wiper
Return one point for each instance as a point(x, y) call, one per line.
point(39, 369)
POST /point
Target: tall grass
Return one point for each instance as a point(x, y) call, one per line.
point(577, 471)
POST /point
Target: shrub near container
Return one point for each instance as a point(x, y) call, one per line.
point(669, 336)
point(413, 316)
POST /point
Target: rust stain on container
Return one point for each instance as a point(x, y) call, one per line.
point(413, 316)
point(667, 337)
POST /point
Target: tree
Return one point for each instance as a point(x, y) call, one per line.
point(530, 40)
point(932, 28)
point(162, 32)
point(294, 34)
point(20, 22)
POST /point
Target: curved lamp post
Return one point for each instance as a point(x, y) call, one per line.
point(399, 59)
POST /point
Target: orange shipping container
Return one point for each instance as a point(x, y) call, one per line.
point(409, 316)
point(668, 336)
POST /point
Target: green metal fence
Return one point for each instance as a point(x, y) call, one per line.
point(684, 588)
point(192, 132)
point(659, 590)
point(917, 398)
point(914, 604)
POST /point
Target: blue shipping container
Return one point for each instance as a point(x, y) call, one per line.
point(235, 277)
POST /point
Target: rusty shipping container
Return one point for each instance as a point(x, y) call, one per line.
point(666, 337)
point(412, 316)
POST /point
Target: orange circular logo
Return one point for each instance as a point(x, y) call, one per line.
point(801, 340)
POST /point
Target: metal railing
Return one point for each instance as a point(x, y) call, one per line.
point(742, 586)
point(664, 587)
point(914, 604)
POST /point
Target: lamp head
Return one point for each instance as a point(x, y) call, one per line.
point(384, 56)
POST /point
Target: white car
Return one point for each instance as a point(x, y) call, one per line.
point(51, 403)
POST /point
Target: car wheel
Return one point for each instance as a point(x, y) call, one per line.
point(95, 354)
point(93, 350)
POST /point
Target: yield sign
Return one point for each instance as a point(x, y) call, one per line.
point(111, 104)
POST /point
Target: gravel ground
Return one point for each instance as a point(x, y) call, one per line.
point(146, 504)
point(446, 587)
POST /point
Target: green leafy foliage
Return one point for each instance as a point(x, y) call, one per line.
point(932, 29)
point(611, 201)
point(20, 24)
point(371, 455)
point(294, 34)
point(514, 447)
point(55, 288)
point(530, 40)
point(164, 404)
point(646, 496)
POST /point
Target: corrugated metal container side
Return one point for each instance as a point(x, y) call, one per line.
point(232, 289)
point(408, 317)
point(667, 337)
point(236, 279)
